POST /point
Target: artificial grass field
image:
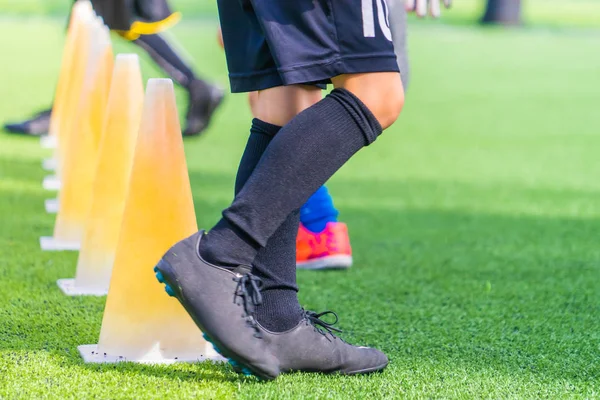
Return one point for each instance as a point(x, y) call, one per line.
point(474, 222)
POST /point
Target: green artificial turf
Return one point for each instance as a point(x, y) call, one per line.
point(474, 220)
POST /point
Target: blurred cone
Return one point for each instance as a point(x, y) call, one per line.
point(82, 22)
point(79, 162)
point(123, 116)
point(80, 66)
point(70, 85)
point(81, 13)
point(141, 323)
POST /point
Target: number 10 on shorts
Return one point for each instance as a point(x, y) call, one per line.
point(368, 16)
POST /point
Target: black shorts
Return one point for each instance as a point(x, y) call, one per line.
point(120, 14)
point(272, 43)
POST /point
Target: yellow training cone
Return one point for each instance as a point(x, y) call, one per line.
point(83, 20)
point(82, 147)
point(53, 182)
point(70, 88)
point(82, 11)
point(122, 123)
point(68, 115)
point(141, 323)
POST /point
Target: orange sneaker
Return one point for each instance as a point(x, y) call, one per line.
point(327, 249)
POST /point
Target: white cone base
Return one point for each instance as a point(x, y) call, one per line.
point(69, 287)
point(52, 206)
point(49, 164)
point(48, 142)
point(51, 182)
point(90, 354)
point(48, 243)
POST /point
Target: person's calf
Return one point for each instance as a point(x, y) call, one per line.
point(301, 158)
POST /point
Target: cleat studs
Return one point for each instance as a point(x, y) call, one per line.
point(156, 269)
point(169, 291)
point(233, 363)
point(160, 277)
point(246, 371)
point(216, 349)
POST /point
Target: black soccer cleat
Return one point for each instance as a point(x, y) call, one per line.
point(36, 126)
point(203, 102)
point(221, 302)
point(312, 347)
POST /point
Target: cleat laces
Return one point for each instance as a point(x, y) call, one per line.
point(321, 326)
point(248, 289)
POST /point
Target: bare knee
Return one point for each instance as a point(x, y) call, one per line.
point(279, 105)
point(381, 92)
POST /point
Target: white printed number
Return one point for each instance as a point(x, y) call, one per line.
point(383, 17)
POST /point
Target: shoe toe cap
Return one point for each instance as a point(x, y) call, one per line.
point(372, 359)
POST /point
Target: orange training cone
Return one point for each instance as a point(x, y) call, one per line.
point(67, 113)
point(53, 182)
point(81, 11)
point(123, 116)
point(68, 116)
point(82, 147)
point(141, 323)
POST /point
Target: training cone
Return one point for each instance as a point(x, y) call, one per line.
point(80, 159)
point(123, 116)
point(65, 113)
point(68, 114)
point(81, 12)
point(141, 323)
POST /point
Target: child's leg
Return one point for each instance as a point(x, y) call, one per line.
point(203, 97)
point(301, 158)
point(268, 45)
point(398, 28)
point(318, 211)
point(280, 309)
point(318, 217)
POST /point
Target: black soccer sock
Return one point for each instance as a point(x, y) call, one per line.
point(261, 134)
point(275, 263)
point(167, 58)
point(301, 158)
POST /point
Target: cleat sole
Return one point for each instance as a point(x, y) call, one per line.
point(328, 262)
point(237, 367)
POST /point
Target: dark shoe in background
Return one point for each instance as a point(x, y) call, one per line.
point(203, 102)
point(36, 126)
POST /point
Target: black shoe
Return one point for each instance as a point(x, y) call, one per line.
point(221, 302)
point(312, 347)
point(203, 101)
point(301, 349)
point(36, 126)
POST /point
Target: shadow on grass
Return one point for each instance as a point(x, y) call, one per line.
point(475, 290)
point(207, 371)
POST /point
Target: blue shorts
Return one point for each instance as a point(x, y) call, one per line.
point(271, 43)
